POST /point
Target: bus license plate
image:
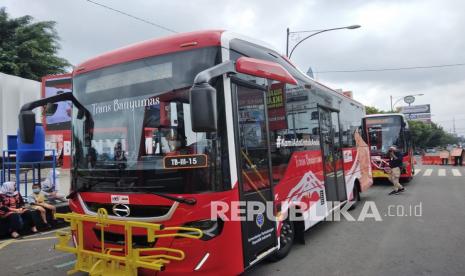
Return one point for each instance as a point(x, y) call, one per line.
point(378, 173)
point(185, 161)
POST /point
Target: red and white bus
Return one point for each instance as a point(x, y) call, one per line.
point(383, 131)
point(181, 122)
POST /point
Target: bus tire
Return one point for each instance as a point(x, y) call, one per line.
point(405, 179)
point(286, 239)
point(356, 197)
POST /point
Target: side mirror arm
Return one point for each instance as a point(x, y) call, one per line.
point(215, 71)
point(27, 116)
point(58, 98)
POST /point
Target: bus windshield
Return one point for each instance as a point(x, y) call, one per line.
point(142, 140)
point(384, 132)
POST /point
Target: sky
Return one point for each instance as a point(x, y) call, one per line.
point(394, 34)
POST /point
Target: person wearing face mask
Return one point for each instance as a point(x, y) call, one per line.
point(38, 202)
point(13, 201)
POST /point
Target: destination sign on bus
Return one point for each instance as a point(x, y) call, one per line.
point(130, 77)
point(379, 121)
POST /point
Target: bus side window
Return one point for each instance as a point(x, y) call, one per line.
point(293, 125)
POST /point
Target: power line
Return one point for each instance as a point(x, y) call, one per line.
point(392, 69)
point(133, 16)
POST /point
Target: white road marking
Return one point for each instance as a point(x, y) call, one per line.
point(44, 260)
point(442, 172)
point(417, 171)
point(428, 172)
point(65, 264)
point(456, 172)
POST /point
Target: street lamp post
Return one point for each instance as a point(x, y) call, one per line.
point(403, 97)
point(289, 33)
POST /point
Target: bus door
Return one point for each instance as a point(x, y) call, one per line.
point(254, 169)
point(330, 140)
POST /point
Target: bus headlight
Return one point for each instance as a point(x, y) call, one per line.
point(210, 228)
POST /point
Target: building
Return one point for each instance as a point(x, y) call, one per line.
point(14, 92)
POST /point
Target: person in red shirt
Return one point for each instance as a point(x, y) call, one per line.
point(11, 220)
point(12, 204)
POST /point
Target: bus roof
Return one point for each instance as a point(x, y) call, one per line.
point(183, 42)
point(152, 47)
point(385, 115)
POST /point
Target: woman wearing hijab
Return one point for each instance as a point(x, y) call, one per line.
point(13, 204)
point(11, 220)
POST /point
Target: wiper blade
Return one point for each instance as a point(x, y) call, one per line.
point(88, 186)
point(188, 201)
point(73, 194)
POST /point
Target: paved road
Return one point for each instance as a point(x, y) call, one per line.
point(430, 244)
point(34, 255)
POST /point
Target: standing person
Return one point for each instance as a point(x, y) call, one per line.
point(15, 203)
point(395, 163)
point(461, 155)
point(458, 155)
point(444, 154)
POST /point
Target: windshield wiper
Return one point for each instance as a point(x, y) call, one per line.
point(92, 181)
point(88, 186)
point(188, 201)
point(84, 188)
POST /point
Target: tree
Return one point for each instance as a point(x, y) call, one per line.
point(373, 110)
point(28, 49)
point(427, 135)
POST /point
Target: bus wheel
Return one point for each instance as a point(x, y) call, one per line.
point(355, 198)
point(286, 239)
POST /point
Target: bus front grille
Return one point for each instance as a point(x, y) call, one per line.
point(139, 211)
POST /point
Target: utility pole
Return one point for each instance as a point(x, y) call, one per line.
point(453, 125)
point(288, 33)
point(392, 110)
point(287, 42)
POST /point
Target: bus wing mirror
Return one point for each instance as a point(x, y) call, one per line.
point(203, 107)
point(264, 69)
point(27, 126)
point(202, 97)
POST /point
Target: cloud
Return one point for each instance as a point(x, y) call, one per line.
point(394, 33)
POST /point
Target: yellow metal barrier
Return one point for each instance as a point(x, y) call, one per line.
point(128, 259)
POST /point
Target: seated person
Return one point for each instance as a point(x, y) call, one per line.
point(13, 202)
point(38, 202)
point(11, 220)
point(51, 190)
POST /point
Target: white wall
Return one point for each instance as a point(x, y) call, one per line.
point(14, 92)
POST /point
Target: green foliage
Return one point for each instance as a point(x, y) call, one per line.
point(430, 135)
point(28, 49)
point(373, 110)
